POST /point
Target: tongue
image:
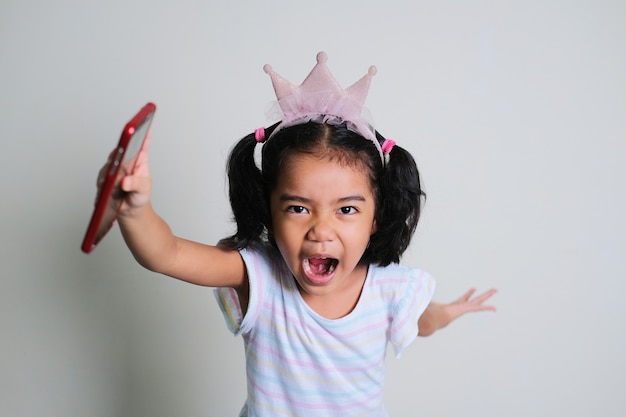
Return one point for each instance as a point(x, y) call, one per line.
point(320, 266)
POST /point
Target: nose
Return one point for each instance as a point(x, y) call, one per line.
point(321, 229)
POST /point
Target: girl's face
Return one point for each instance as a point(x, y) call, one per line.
point(322, 218)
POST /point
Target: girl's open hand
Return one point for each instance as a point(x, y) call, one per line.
point(438, 316)
point(467, 304)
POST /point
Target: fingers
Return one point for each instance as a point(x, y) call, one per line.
point(102, 175)
point(135, 184)
point(103, 171)
point(466, 297)
point(137, 189)
point(135, 175)
point(466, 303)
point(147, 141)
point(484, 296)
point(478, 301)
point(142, 167)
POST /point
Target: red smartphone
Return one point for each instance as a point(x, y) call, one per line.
point(121, 163)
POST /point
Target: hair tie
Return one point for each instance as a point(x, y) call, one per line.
point(259, 134)
point(388, 145)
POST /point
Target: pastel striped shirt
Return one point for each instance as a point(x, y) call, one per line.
point(301, 364)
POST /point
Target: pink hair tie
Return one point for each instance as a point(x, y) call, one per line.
point(259, 134)
point(388, 145)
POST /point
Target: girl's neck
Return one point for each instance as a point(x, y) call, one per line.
point(341, 302)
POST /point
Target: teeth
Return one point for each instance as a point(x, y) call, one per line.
point(320, 268)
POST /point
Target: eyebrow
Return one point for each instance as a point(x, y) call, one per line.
point(297, 198)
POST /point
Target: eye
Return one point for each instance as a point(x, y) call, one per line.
point(297, 209)
point(348, 210)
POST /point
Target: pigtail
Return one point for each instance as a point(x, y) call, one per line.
point(245, 191)
point(400, 202)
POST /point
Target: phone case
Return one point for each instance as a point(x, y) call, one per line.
point(122, 162)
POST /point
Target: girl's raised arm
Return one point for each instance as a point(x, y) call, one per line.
point(155, 247)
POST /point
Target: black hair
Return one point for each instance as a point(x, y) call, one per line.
point(395, 184)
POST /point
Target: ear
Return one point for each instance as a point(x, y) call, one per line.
point(374, 227)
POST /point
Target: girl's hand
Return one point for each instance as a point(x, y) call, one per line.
point(136, 187)
point(437, 316)
point(467, 304)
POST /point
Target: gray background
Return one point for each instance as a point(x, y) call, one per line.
point(515, 112)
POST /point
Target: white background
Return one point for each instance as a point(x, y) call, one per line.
point(515, 112)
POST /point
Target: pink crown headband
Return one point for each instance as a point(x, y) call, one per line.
point(321, 99)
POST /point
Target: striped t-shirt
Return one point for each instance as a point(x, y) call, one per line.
point(302, 364)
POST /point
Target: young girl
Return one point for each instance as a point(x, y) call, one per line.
point(311, 278)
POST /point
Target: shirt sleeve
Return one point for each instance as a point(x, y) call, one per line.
point(228, 299)
point(415, 298)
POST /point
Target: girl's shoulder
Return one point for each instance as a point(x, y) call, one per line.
point(262, 252)
point(397, 280)
point(397, 273)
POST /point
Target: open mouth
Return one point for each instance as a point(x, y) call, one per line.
point(319, 270)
